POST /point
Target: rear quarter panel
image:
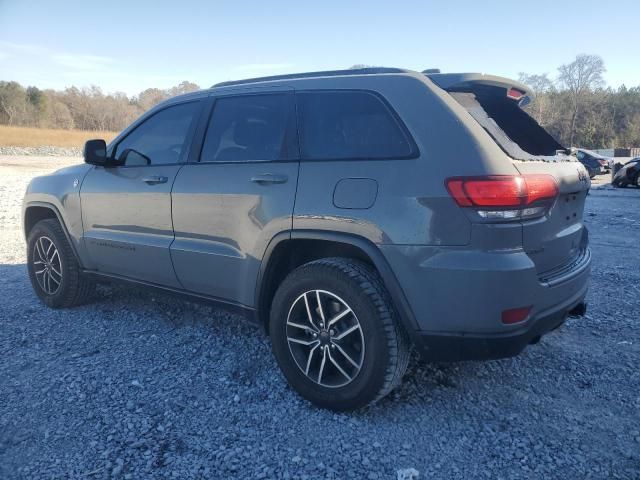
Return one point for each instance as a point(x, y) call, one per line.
point(412, 206)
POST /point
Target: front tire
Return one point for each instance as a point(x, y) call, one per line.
point(53, 269)
point(335, 336)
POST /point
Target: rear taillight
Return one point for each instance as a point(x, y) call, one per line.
point(540, 187)
point(505, 197)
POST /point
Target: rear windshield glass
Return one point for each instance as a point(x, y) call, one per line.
point(349, 125)
point(509, 125)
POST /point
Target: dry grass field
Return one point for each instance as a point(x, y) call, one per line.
point(36, 137)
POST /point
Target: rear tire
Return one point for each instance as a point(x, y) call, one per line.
point(367, 344)
point(54, 272)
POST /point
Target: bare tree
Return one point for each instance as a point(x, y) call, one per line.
point(150, 97)
point(183, 87)
point(58, 114)
point(580, 78)
point(13, 102)
point(542, 107)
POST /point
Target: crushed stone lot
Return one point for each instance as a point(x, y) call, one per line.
point(140, 384)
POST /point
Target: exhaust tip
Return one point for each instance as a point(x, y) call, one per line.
point(579, 310)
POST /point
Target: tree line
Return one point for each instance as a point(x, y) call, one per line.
point(575, 106)
point(79, 108)
point(578, 109)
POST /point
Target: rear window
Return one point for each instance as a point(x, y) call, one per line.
point(509, 125)
point(350, 125)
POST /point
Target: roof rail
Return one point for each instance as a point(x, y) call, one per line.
point(327, 73)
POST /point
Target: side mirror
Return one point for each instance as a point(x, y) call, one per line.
point(95, 152)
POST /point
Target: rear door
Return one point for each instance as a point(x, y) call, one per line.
point(558, 238)
point(126, 209)
point(239, 193)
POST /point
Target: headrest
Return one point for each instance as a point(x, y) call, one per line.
point(250, 133)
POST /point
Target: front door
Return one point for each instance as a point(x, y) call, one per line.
point(230, 204)
point(126, 209)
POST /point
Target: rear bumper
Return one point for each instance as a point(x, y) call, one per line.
point(456, 347)
point(457, 298)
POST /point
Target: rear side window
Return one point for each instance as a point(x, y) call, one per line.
point(347, 124)
point(250, 128)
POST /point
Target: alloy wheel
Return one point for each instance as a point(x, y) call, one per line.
point(325, 338)
point(47, 265)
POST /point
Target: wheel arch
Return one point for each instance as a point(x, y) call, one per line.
point(289, 250)
point(37, 211)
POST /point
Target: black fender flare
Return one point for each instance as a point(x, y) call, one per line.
point(402, 306)
point(58, 216)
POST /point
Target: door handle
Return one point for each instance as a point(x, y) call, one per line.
point(267, 178)
point(155, 179)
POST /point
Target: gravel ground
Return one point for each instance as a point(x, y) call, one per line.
point(43, 151)
point(139, 384)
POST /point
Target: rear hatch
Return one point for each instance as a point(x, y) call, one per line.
point(558, 239)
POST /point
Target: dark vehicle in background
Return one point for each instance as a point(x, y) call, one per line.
point(352, 214)
point(629, 174)
point(595, 163)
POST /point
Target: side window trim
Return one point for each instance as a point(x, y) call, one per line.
point(184, 156)
point(197, 142)
point(414, 153)
point(207, 115)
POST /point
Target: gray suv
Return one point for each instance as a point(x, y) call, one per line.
point(354, 214)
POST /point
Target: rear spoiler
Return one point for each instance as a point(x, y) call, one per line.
point(466, 82)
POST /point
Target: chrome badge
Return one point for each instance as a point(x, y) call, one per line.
point(583, 177)
point(75, 183)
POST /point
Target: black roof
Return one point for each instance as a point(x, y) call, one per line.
point(327, 73)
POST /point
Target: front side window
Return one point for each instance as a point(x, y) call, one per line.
point(349, 125)
point(251, 128)
point(161, 139)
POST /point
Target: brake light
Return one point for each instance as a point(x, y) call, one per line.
point(515, 93)
point(505, 197)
